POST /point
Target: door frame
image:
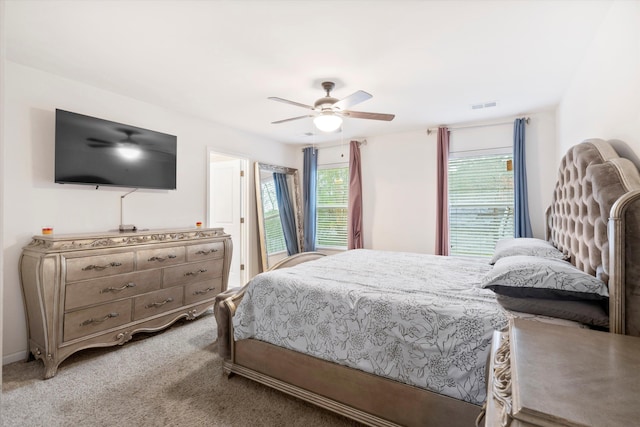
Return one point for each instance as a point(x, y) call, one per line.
point(241, 243)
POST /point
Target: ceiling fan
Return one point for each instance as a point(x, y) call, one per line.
point(329, 111)
point(128, 140)
point(126, 147)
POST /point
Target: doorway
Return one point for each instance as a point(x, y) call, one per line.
point(227, 194)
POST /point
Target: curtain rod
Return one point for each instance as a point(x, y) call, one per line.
point(431, 130)
point(360, 143)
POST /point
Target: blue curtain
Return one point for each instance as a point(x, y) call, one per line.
point(287, 216)
point(522, 221)
point(309, 179)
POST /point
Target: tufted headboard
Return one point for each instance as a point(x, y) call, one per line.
point(594, 217)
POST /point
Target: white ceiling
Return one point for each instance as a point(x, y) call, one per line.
point(426, 62)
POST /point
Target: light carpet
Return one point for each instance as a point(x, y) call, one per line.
point(169, 378)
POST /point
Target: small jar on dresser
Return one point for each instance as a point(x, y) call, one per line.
point(542, 374)
point(98, 289)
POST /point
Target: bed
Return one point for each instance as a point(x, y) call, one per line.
point(593, 222)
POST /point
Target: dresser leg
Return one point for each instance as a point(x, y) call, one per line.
point(50, 365)
point(50, 369)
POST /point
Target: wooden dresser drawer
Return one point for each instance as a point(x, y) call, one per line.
point(153, 258)
point(95, 319)
point(192, 273)
point(203, 290)
point(98, 266)
point(205, 251)
point(105, 289)
point(157, 302)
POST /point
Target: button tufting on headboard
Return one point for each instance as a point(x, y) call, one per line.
point(591, 179)
point(577, 225)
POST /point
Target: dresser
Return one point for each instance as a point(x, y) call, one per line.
point(97, 290)
point(550, 375)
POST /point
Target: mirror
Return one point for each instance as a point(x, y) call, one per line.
point(279, 212)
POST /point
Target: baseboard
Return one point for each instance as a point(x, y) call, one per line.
point(15, 357)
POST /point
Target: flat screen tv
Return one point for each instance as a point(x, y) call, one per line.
point(99, 152)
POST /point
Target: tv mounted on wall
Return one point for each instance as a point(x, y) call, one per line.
point(99, 152)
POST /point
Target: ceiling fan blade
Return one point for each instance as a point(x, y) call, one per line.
point(102, 141)
point(286, 101)
point(291, 119)
point(370, 116)
point(353, 99)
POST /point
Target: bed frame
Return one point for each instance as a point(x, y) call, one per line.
point(594, 218)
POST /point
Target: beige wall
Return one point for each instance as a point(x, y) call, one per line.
point(2, 156)
point(399, 192)
point(31, 198)
point(603, 100)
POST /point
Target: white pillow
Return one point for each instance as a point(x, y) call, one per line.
point(526, 246)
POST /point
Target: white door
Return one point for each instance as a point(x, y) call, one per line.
point(226, 187)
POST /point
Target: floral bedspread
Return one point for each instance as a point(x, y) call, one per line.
point(419, 319)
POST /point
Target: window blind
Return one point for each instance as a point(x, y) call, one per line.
point(332, 207)
point(480, 203)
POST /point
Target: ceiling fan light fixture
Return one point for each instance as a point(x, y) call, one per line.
point(129, 153)
point(328, 122)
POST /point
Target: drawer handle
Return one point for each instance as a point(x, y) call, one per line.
point(158, 304)
point(101, 267)
point(159, 258)
point(92, 320)
point(112, 289)
point(195, 273)
point(204, 291)
point(210, 251)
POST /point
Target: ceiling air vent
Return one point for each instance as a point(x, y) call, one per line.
point(484, 105)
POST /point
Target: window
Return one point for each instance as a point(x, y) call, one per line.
point(480, 203)
point(332, 206)
point(272, 224)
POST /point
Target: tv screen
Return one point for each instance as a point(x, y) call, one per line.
point(100, 152)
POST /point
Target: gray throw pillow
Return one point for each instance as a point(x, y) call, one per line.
point(590, 313)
